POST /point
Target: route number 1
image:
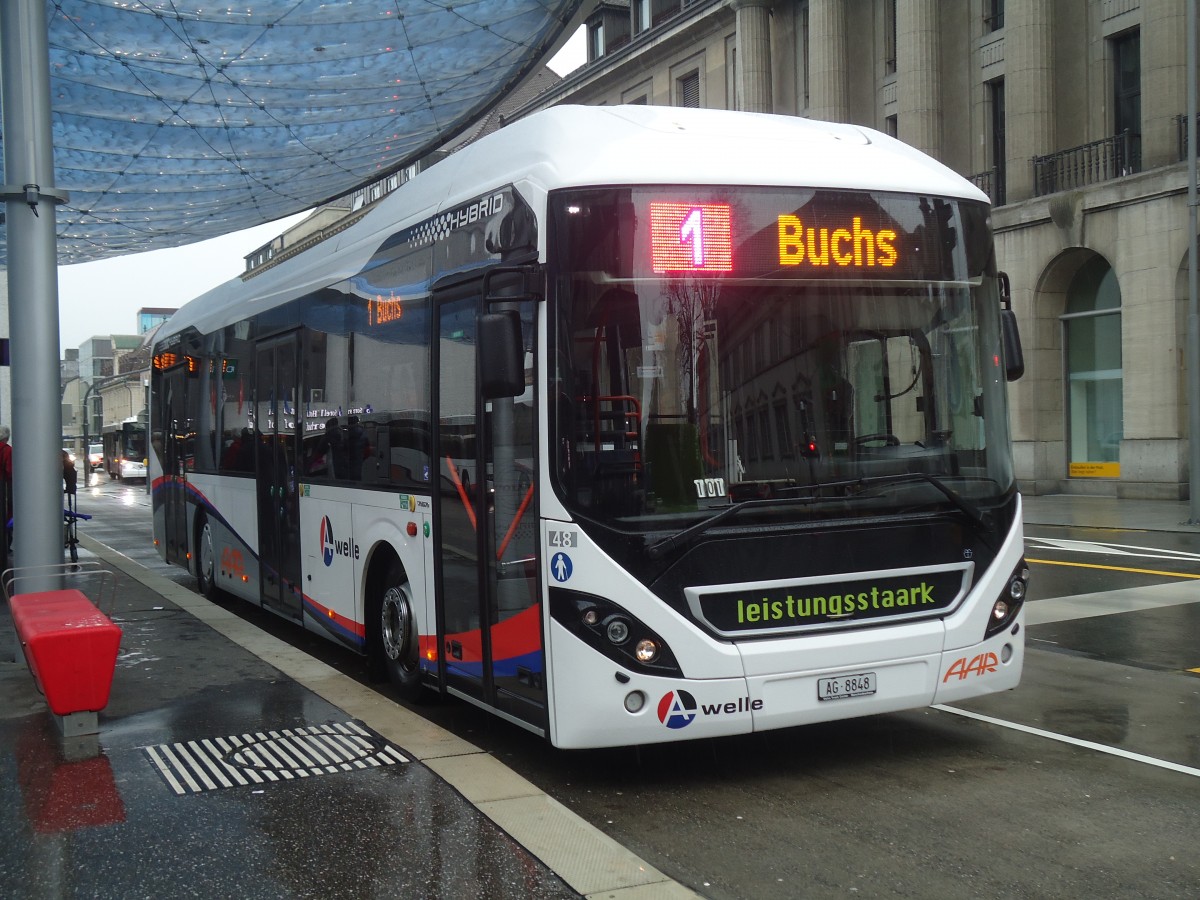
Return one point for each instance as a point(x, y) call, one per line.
point(691, 237)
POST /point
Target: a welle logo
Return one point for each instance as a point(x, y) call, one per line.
point(331, 546)
point(813, 605)
point(678, 708)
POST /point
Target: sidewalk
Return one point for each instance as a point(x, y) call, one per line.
point(232, 764)
point(1108, 512)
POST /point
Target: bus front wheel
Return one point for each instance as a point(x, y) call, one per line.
point(397, 645)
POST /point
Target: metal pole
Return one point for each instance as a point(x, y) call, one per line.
point(1193, 314)
point(32, 286)
point(87, 415)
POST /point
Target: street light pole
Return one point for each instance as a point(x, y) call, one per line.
point(1193, 331)
point(87, 416)
point(30, 200)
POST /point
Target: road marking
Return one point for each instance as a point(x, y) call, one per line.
point(1112, 549)
point(1066, 739)
point(1078, 565)
point(1107, 603)
point(207, 765)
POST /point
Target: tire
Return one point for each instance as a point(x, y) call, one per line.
point(206, 559)
point(395, 630)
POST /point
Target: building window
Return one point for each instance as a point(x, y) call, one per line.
point(993, 16)
point(731, 94)
point(1092, 343)
point(639, 94)
point(783, 429)
point(764, 430)
point(998, 146)
point(595, 41)
point(641, 16)
point(1127, 93)
point(687, 89)
point(889, 37)
point(891, 126)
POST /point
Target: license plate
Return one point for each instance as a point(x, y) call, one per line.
point(843, 687)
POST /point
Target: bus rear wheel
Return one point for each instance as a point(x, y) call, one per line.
point(206, 559)
point(398, 643)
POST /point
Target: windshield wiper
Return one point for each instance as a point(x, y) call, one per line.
point(796, 493)
point(979, 518)
point(803, 493)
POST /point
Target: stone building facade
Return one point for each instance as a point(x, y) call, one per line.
point(1069, 113)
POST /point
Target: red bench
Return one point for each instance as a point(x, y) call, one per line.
point(71, 648)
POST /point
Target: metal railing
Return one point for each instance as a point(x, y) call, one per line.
point(1086, 164)
point(1181, 125)
point(991, 182)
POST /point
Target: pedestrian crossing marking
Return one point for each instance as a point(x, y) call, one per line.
point(266, 757)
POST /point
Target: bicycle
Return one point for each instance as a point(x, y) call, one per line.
point(71, 517)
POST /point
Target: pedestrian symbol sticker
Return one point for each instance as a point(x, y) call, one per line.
point(560, 566)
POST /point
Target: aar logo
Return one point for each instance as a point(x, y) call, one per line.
point(676, 709)
point(326, 541)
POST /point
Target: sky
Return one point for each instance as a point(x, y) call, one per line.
point(102, 298)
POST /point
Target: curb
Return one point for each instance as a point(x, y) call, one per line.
point(583, 856)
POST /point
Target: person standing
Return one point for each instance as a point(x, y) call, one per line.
point(70, 475)
point(6, 471)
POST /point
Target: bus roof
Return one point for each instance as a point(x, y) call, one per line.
point(577, 146)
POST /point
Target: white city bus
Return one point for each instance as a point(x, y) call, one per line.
point(629, 424)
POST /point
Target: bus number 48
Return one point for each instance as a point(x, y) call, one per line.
point(707, 488)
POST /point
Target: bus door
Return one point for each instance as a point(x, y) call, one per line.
point(489, 616)
point(275, 442)
point(175, 430)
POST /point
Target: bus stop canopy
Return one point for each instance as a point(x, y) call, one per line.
point(179, 120)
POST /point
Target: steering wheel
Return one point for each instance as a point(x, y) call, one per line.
point(889, 440)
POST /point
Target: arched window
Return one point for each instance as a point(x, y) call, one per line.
point(1092, 340)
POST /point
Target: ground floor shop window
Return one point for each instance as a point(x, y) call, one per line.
point(1092, 341)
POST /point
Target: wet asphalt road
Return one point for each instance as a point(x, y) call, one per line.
point(1083, 782)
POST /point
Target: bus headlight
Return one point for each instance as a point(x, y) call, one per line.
point(617, 631)
point(646, 650)
point(1008, 604)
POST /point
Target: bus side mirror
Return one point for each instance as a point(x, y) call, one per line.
point(1014, 358)
point(1010, 337)
point(501, 357)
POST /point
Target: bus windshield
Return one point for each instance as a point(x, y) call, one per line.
point(712, 346)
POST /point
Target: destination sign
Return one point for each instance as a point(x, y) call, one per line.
point(807, 233)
